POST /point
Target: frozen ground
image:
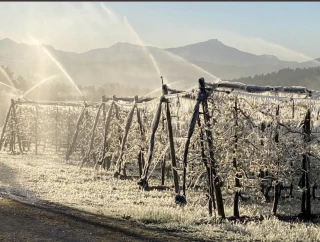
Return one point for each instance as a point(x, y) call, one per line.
point(44, 193)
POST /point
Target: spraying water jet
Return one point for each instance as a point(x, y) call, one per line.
point(9, 79)
point(8, 86)
point(57, 63)
point(40, 83)
point(145, 49)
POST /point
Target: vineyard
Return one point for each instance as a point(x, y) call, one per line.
point(228, 141)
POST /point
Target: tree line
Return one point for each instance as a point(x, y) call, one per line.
point(307, 77)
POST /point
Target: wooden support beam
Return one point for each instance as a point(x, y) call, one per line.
point(172, 149)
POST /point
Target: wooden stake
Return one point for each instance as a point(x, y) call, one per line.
point(172, 150)
point(215, 179)
point(4, 129)
point(36, 129)
point(155, 123)
point(93, 132)
point(75, 135)
point(106, 129)
point(124, 139)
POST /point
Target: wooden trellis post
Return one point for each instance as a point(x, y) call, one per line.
point(142, 135)
point(69, 127)
point(116, 108)
point(211, 202)
point(90, 146)
point(16, 132)
point(56, 128)
point(143, 182)
point(238, 175)
point(124, 139)
point(75, 135)
point(305, 180)
point(201, 97)
point(170, 135)
point(36, 130)
point(4, 129)
point(277, 186)
point(213, 175)
point(106, 129)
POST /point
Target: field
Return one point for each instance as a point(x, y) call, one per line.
point(213, 164)
point(39, 179)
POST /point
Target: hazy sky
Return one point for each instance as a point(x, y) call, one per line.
point(288, 30)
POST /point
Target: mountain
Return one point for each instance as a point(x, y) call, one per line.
point(214, 51)
point(131, 64)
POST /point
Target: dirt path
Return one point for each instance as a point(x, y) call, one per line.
point(25, 220)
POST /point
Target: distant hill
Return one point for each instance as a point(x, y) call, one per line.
point(131, 64)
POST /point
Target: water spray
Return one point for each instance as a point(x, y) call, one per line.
point(9, 79)
point(57, 63)
point(8, 86)
point(41, 82)
point(145, 49)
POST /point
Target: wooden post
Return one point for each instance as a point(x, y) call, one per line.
point(314, 187)
point(116, 108)
point(75, 135)
point(142, 137)
point(211, 201)
point(104, 109)
point(124, 139)
point(238, 176)
point(172, 150)
point(36, 130)
point(16, 126)
point(90, 146)
point(143, 182)
point(213, 175)
point(69, 127)
point(140, 163)
point(4, 129)
point(56, 129)
point(163, 170)
point(106, 129)
point(194, 119)
point(306, 196)
point(139, 120)
point(276, 197)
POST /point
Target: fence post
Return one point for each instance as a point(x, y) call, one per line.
point(170, 135)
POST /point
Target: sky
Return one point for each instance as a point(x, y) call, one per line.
point(288, 30)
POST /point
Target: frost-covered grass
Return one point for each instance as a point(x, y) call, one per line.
point(51, 178)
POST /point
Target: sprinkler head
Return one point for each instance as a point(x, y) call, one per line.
point(161, 79)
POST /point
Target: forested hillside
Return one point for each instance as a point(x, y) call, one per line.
point(308, 77)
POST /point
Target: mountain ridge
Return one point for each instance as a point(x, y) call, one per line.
point(130, 63)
